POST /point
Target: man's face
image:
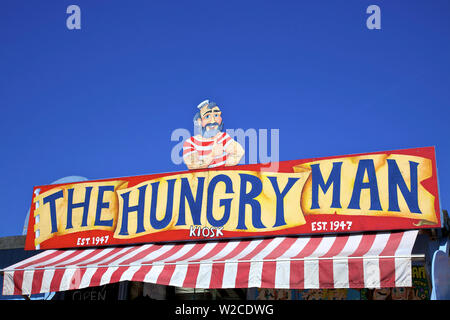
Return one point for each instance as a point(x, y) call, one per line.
point(210, 120)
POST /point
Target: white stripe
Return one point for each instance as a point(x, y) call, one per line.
point(229, 275)
point(403, 276)
point(91, 269)
point(204, 276)
point(186, 154)
point(340, 265)
point(229, 247)
point(351, 245)
point(340, 273)
point(178, 276)
point(47, 277)
point(371, 261)
point(8, 283)
point(217, 164)
point(406, 243)
point(295, 248)
point(66, 279)
point(82, 253)
point(230, 267)
point(282, 274)
point(204, 251)
point(153, 274)
point(311, 273)
point(86, 280)
point(98, 255)
point(255, 273)
point(323, 247)
point(106, 277)
point(27, 281)
point(52, 260)
point(311, 265)
point(153, 255)
point(184, 250)
point(129, 273)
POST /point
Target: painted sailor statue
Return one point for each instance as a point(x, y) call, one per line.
point(210, 147)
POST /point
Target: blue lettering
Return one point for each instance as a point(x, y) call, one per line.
point(226, 203)
point(52, 200)
point(396, 179)
point(84, 205)
point(194, 205)
point(249, 198)
point(139, 208)
point(279, 221)
point(102, 205)
point(334, 179)
point(164, 222)
point(365, 165)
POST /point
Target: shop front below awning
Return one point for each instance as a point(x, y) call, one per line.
point(369, 260)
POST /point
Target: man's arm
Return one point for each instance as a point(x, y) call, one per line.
point(193, 162)
point(235, 153)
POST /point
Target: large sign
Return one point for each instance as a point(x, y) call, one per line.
point(373, 191)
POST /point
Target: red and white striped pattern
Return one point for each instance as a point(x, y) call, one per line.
point(203, 147)
point(337, 261)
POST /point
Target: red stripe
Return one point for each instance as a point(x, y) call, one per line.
point(268, 274)
point(140, 255)
point(97, 277)
point(117, 274)
point(37, 281)
point(202, 143)
point(243, 268)
point(196, 248)
point(117, 257)
point(217, 273)
point(297, 268)
point(243, 271)
point(76, 278)
point(214, 251)
point(86, 257)
point(203, 153)
point(18, 280)
point(326, 275)
point(140, 274)
point(56, 280)
point(166, 274)
point(186, 151)
point(269, 268)
point(40, 260)
point(356, 266)
point(297, 274)
point(100, 259)
point(60, 262)
point(387, 265)
point(221, 159)
point(239, 248)
point(217, 269)
point(165, 255)
point(191, 276)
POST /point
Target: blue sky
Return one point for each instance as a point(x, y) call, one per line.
point(102, 102)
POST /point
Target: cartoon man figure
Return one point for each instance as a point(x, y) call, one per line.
point(211, 147)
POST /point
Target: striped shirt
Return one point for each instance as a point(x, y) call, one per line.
point(203, 147)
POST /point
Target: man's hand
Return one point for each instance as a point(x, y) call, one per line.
point(217, 149)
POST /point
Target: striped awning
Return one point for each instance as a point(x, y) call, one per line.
point(370, 260)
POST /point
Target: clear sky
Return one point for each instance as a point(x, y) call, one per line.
point(102, 101)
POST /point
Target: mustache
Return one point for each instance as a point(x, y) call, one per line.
point(211, 125)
